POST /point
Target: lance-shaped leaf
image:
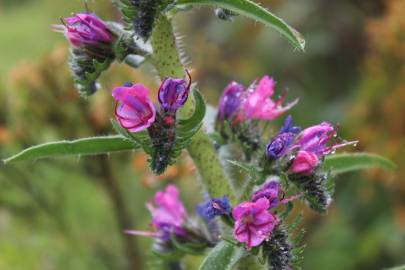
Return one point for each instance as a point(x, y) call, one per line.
point(342, 163)
point(224, 256)
point(81, 147)
point(256, 12)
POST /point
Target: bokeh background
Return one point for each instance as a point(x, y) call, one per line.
point(69, 213)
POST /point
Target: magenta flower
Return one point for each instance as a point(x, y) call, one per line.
point(134, 110)
point(168, 215)
point(85, 29)
point(259, 105)
point(254, 224)
point(230, 101)
point(304, 162)
point(317, 139)
point(173, 93)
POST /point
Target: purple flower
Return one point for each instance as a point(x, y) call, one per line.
point(173, 93)
point(230, 101)
point(259, 105)
point(304, 162)
point(317, 139)
point(270, 191)
point(214, 207)
point(85, 29)
point(134, 110)
point(280, 145)
point(288, 126)
point(254, 224)
point(168, 215)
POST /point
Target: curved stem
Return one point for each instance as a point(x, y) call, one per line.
point(167, 62)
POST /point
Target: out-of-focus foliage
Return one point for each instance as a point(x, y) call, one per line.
point(68, 214)
point(381, 98)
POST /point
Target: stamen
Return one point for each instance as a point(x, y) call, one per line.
point(291, 198)
point(86, 7)
point(63, 22)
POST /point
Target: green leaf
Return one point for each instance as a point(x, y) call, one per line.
point(254, 11)
point(252, 171)
point(342, 163)
point(87, 146)
point(198, 116)
point(223, 256)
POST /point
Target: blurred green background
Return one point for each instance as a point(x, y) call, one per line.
point(69, 213)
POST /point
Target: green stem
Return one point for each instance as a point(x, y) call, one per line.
point(168, 64)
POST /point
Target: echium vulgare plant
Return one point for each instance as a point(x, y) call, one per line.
point(244, 222)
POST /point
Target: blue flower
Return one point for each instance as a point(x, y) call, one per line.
point(214, 207)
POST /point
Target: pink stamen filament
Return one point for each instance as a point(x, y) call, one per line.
point(292, 198)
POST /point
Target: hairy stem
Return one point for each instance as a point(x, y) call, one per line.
point(168, 64)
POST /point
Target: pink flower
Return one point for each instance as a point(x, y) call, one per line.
point(305, 162)
point(317, 139)
point(170, 209)
point(134, 110)
point(168, 215)
point(254, 223)
point(84, 29)
point(259, 105)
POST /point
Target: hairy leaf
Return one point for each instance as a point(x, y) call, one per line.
point(342, 163)
point(223, 256)
point(87, 146)
point(254, 11)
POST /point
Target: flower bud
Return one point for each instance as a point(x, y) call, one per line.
point(173, 93)
point(92, 51)
point(231, 100)
point(318, 139)
point(279, 145)
point(270, 191)
point(87, 30)
point(134, 110)
point(304, 163)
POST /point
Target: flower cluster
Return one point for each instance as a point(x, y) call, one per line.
point(254, 103)
point(294, 152)
point(253, 222)
point(92, 48)
point(240, 107)
point(306, 148)
point(95, 45)
point(136, 112)
point(172, 228)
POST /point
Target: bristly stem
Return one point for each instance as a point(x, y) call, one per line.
point(167, 62)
